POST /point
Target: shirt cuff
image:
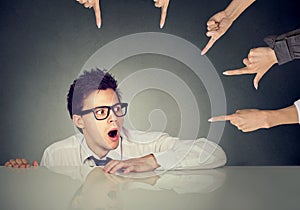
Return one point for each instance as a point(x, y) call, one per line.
point(282, 52)
point(280, 48)
point(297, 104)
point(286, 46)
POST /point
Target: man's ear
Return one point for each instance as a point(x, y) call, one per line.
point(77, 119)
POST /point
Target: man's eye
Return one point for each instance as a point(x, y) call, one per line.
point(117, 108)
point(100, 111)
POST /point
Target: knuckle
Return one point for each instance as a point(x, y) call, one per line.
point(236, 114)
point(24, 160)
point(250, 58)
point(250, 65)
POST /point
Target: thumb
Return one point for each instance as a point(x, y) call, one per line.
point(97, 12)
point(256, 80)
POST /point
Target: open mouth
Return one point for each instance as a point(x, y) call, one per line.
point(113, 133)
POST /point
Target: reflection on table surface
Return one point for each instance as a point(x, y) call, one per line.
point(90, 188)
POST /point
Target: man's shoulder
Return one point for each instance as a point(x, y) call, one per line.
point(63, 153)
point(70, 142)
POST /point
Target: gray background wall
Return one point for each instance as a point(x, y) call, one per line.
point(44, 45)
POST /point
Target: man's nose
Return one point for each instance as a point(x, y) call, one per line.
point(112, 117)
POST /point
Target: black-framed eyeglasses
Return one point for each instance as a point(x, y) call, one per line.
point(102, 112)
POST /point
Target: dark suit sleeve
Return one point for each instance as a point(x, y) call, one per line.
point(286, 46)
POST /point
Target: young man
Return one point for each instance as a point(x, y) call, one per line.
point(96, 109)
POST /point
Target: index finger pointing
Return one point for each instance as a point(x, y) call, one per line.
point(220, 118)
point(163, 15)
point(240, 71)
point(208, 45)
point(97, 12)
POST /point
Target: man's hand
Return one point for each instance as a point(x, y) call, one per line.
point(259, 61)
point(96, 6)
point(142, 164)
point(20, 163)
point(163, 4)
point(217, 25)
point(246, 120)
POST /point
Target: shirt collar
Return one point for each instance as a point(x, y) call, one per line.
point(86, 152)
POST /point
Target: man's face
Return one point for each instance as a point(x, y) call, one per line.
point(101, 135)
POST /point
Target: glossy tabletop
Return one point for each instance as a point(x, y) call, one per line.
point(85, 188)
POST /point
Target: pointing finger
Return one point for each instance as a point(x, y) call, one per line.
point(209, 45)
point(240, 71)
point(97, 12)
point(163, 15)
point(220, 118)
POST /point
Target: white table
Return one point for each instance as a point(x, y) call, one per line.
point(229, 188)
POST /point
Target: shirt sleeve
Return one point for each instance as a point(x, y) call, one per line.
point(286, 46)
point(173, 153)
point(45, 159)
point(191, 154)
point(297, 104)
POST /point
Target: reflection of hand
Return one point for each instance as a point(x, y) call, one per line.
point(104, 191)
point(96, 6)
point(217, 25)
point(259, 61)
point(142, 164)
point(163, 4)
point(246, 120)
point(20, 163)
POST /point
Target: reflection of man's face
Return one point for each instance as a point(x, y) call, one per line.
point(101, 135)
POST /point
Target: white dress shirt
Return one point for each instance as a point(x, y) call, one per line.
point(170, 152)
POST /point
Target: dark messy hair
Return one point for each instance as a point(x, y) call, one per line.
point(85, 84)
